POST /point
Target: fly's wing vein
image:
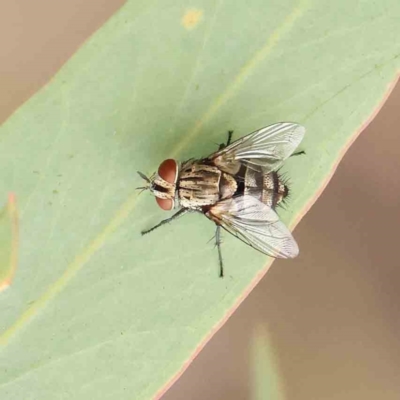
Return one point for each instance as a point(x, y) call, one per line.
point(256, 224)
point(267, 147)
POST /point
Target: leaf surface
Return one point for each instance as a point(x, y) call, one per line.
point(97, 311)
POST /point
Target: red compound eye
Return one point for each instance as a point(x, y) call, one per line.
point(168, 170)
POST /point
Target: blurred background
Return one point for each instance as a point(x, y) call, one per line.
point(332, 315)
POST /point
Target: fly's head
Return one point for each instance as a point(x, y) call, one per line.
point(163, 184)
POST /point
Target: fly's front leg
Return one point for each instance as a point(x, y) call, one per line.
point(181, 212)
point(223, 145)
point(218, 244)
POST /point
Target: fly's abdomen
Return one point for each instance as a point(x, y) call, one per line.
point(265, 187)
point(198, 185)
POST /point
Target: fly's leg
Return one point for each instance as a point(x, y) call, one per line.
point(181, 212)
point(218, 244)
point(230, 133)
point(223, 145)
point(298, 153)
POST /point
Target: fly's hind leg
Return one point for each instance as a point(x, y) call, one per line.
point(218, 245)
point(223, 145)
point(181, 212)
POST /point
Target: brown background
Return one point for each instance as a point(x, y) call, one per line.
point(333, 314)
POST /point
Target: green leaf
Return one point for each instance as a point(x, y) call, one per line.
point(96, 310)
point(8, 242)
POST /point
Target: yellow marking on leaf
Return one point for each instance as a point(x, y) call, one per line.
point(245, 72)
point(191, 18)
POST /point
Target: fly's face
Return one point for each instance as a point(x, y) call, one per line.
point(163, 184)
point(237, 187)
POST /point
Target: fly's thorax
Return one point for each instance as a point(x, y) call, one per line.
point(266, 187)
point(200, 184)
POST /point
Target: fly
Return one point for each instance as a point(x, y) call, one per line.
point(237, 187)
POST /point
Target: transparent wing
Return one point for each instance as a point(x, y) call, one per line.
point(256, 224)
point(268, 148)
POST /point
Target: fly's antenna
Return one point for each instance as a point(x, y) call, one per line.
point(143, 176)
point(143, 188)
